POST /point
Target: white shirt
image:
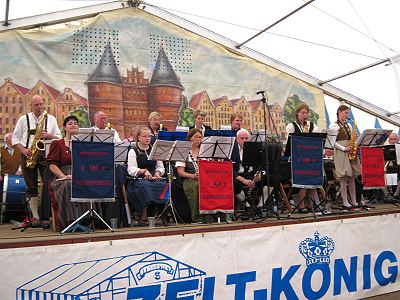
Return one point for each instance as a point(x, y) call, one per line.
point(335, 126)
point(20, 134)
point(133, 168)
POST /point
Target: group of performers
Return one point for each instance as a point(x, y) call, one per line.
point(148, 183)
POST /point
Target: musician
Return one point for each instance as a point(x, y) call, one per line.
point(100, 122)
point(236, 121)
point(241, 176)
point(59, 159)
point(199, 117)
point(23, 136)
point(133, 137)
point(346, 170)
point(148, 187)
point(155, 125)
point(189, 172)
point(393, 138)
point(10, 159)
point(302, 125)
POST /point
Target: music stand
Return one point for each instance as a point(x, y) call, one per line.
point(373, 137)
point(121, 151)
point(172, 135)
point(254, 154)
point(104, 136)
point(216, 147)
point(316, 135)
point(170, 151)
point(259, 135)
point(331, 136)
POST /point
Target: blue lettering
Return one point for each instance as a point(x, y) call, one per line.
point(309, 293)
point(282, 284)
point(209, 285)
point(175, 289)
point(240, 280)
point(349, 278)
point(367, 272)
point(392, 270)
point(147, 292)
point(260, 294)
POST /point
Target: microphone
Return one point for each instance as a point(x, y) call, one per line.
point(260, 92)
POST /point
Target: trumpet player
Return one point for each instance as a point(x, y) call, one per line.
point(31, 129)
point(347, 166)
point(100, 122)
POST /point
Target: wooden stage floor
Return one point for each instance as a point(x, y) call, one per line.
point(33, 237)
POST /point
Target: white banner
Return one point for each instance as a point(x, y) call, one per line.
point(340, 259)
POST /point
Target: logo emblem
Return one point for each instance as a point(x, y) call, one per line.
point(317, 250)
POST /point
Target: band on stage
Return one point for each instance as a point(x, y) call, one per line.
point(141, 182)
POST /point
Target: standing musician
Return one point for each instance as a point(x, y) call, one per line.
point(148, 187)
point(236, 121)
point(189, 172)
point(29, 130)
point(199, 117)
point(100, 122)
point(347, 167)
point(302, 125)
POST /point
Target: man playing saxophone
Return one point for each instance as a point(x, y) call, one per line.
point(25, 137)
point(347, 164)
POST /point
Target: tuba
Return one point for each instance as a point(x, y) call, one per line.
point(352, 154)
point(37, 144)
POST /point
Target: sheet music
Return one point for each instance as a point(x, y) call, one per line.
point(94, 135)
point(121, 151)
point(259, 135)
point(331, 136)
point(170, 150)
point(373, 137)
point(218, 147)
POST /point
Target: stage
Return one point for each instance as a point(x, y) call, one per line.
point(218, 261)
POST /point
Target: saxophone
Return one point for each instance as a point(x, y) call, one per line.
point(37, 144)
point(352, 154)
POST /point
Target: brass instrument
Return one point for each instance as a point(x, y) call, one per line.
point(307, 127)
point(352, 154)
point(37, 144)
point(108, 125)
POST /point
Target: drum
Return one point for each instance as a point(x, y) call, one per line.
point(14, 189)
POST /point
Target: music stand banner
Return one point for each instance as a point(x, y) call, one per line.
point(92, 171)
point(373, 167)
point(307, 162)
point(216, 186)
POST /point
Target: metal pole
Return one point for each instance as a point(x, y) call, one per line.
point(355, 71)
point(6, 23)
point(272, 25)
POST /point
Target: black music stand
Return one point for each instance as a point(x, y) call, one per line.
point(288, 152)
point(216, 148)
point(105, 137)
point(170, 151)
point(254, 155)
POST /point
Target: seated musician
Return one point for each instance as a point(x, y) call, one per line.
point(236, 121)
point(100, 122)
point(155, 125)
point(302, 125)
point(199, 117)
point(148, 187)
point(59, 159)
point(189, 172)
point(241, 175)
point(347, 169)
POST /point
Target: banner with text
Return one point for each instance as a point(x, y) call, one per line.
point(307, 163)
point(373, 167)
point(215, 186)
point(92, 171)
point(298, 261)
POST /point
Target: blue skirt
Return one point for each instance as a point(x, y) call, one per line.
point(142, 193)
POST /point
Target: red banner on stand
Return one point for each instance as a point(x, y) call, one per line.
point(373, 167)
point(216, 186)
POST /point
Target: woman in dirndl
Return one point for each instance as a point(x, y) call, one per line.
point(147, 187)
point(346, 170)
point(188, 171)
point(59, 159)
